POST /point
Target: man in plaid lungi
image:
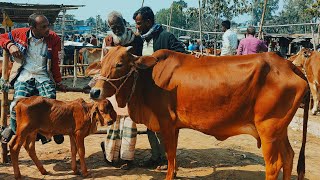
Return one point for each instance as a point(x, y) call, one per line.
point(35, 71)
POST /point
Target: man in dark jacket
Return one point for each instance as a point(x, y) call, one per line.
point(155, 38)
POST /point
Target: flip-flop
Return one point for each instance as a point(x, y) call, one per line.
point(6, 134)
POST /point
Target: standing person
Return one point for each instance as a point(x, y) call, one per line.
point(250, 44)
point(94, 40)
point(36, 52)
point(229, 40)
point(155, 38)
point(122, 135)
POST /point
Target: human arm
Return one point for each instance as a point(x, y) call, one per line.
point(7, 44)
point(240, 48)
point(263, 46)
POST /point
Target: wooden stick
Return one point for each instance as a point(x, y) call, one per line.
point(4, 102)
point(262, 18)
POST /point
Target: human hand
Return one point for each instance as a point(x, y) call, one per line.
point(61, 87)
point(14, 51)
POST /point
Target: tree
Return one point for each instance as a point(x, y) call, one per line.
point(294, 11)
point(257, 8)
point(178, 16)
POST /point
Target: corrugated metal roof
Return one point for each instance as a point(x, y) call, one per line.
point(20, 12)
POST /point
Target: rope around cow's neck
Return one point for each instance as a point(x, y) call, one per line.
point(125, 77)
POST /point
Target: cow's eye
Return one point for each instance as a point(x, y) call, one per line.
point(118, 65)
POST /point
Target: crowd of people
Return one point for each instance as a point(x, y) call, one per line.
point(33, 75)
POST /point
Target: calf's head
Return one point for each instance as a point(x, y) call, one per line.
point(103, 112)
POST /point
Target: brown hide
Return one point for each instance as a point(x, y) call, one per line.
point(219, 96)
point(309, 62)
point(75, 118)
point(9, 67)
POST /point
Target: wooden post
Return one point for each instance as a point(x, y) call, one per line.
point(262, 18)
point(200, 29)
point(170, 17)
point(142, 3)
point(75, 68)
point(313, 38)
point(4, 101)
point(62, 38)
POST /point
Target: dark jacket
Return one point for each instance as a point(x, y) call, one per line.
point(166, 40)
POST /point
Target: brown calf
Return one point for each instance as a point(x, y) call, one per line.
point(49, 117)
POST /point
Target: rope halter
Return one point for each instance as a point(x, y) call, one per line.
point(125, 77)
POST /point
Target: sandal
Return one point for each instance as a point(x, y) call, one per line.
point(6, 134)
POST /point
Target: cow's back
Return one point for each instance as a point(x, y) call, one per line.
point(215, 93)
point(51, 115)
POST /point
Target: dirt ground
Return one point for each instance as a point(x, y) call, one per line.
point(199, 157)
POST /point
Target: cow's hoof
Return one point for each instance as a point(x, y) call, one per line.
point(17, 177)
point(85, 174)
point(77, 172)
point(44, 172)
point(314, 112)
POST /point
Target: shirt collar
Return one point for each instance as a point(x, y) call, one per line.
point(32, 38)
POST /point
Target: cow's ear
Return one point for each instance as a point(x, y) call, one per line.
point(93, 69)
point(106, 49)
point(145, 62)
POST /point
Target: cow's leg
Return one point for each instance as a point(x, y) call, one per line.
point(271, 142)
point(175, 160)
point(170, 138)
point(73, 155)
point(81, 152)
point(315, 97)
point(29, 145)
point(287, 156)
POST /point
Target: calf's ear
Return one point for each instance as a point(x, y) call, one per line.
point(145, 62)
point(93, 69)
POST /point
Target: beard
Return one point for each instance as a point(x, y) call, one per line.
point(124, 39)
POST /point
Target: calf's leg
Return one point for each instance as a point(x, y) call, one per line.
point(15, 145)
point(73, 155)
point(29, 145)
point(81, 152)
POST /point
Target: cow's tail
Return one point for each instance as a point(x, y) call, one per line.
point(306, 101)
point(301, 161)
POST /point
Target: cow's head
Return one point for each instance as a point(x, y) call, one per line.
point(103, 112)
point(119, 72)
point(301, 58)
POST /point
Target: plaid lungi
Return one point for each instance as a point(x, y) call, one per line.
point(121, 139)
point(29, 88)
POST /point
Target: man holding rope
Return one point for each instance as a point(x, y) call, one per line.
point(36, 52)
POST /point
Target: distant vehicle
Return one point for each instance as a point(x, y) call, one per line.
point(184, 38)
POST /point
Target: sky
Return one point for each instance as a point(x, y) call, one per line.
point(103, 7)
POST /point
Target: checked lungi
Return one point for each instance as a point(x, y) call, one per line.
point(30, 88)
point(121, 140)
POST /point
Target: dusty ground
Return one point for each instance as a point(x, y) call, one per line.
point(199, 157)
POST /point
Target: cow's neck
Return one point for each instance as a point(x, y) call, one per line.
point(138, 106)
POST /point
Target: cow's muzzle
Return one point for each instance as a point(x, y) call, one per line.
point(95, 93)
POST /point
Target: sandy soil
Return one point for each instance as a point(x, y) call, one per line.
point(199, 157)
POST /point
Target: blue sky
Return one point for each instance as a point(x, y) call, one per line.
point(103, 7)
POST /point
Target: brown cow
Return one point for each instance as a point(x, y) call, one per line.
point(309, 62)
point(49, 117)
point(219, 96)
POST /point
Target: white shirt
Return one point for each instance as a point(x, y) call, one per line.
point(35, 65)
point(229, 43)
point(147, 49)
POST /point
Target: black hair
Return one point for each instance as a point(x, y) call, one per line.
point(251, 30)
point(226, 24)
point(32, 19)
point(146, 13)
